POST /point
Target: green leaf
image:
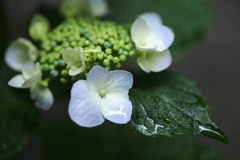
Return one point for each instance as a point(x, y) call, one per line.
point(167, 103)
point(189, 19)
point(18, 119)
point(62, 139)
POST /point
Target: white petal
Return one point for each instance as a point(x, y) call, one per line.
point(84, 106)
point(155, 61)
point(142, 36)
point(19, 52)
point(120, 80)
point(43, 97)
point(71, 57)
point(98, 78)
point(34, 79)
point(151, 18)
point(17, 81)
point(98, 7)
point(29, 69)
point(116, 107)
point(164, 37)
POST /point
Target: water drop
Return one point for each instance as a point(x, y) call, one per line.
point(168, 120)
point(164, 108)
point(156, 106)
point(172, 126)
point(156, 100)
point(160, 116)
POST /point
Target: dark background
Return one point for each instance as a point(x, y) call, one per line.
point(214, 64)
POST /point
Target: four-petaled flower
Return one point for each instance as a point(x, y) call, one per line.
point(152, 38)
point(103, 95)
point(30, 78)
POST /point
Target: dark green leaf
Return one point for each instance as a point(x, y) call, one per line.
point(18, 118)
point(63, 139)
point(189, 19)
point(168, 103)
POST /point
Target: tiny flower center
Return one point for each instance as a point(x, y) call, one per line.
point(102, 93)
point(142, 43)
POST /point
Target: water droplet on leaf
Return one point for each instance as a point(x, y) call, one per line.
point(168, 120)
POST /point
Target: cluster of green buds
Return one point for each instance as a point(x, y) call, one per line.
point(100, 43)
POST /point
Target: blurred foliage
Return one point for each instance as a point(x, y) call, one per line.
point(189, 19)
point(61, 139)
point(18, 119)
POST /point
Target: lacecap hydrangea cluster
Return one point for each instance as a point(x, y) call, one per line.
point(86, 51)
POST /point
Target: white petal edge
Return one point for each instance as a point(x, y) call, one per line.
point(155, 61)
point(151, 18)
point(164, 37)
point(16, 55)
point(28, 69)
point(34, 79)
point(120, 80)
point(116, 107)
point(98, 78)
point(84, 106)
point(43, 97)
point(17, 81)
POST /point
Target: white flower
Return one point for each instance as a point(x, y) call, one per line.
point(152, 38)
point(103, 95)
point(30, 78)
point(31, 75)
point(19, 52)
point(75, 60)
point(43, 97)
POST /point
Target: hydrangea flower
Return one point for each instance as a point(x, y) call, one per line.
point(31, 75)
point(19, 52)
point(30, 78)
point(43, 97)
point(103, 95)
point(75, 59)
point(152, 38)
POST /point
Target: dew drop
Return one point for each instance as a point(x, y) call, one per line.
point(160, 116)
point(156, 100)
point(168, 120)
point(156, 106)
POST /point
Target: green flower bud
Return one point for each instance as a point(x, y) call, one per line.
point(54, 73)
point(108, 51)
point(63, 80)
point(39, 27)
point(115, 59)
point(106, 62)
point(122, 57)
